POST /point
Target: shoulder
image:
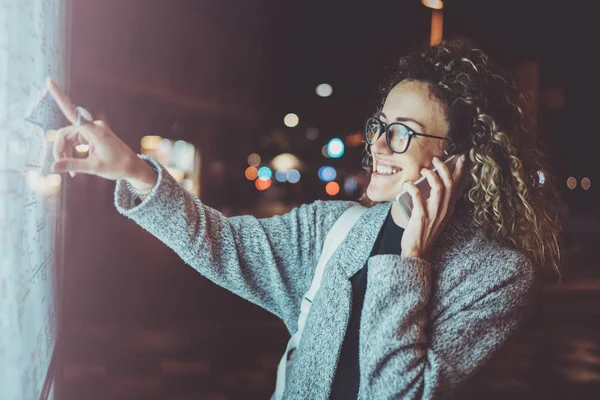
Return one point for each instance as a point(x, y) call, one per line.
point(324, 213)
point(476, 262)
point(318, 216)
point(501, 261)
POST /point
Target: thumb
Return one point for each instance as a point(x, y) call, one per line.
point(72, 165)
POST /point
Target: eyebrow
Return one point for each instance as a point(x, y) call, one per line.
point(403, 119)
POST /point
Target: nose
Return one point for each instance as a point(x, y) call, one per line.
point(380, 146)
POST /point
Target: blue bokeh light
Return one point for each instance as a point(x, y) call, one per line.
point(327, 173)
point(293, 176)
point(350, 185)
point(265, 173)
point(335, 148)
point(280, 175)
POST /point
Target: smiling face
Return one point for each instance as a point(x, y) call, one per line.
point(411, 103)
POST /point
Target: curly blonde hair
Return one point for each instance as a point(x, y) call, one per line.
point(487, 119)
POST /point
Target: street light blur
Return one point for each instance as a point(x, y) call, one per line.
point(435, 4)
point(437, 20)
point(291, 120)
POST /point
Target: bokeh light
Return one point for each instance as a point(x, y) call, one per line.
point(586, 183)
point(324, 90)
point(177, 173)
point(265, 173)
point(285, 162)
point(350, 185)
point(251, 173)
point(435, 4)
point(312, 133)
point(254, 160)
point(327, 173)
point(335, 148)
point(151, 142)
point(280, 175)
point(293, 176)
point(355, 139)
point(164, 152)
point(263, 184)
point(332, 188)
point(541, 177)
point(571, 183)
point(291, 120)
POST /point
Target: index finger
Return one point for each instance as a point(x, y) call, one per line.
point(458, 169)
point(65, 105)
point(443, 171)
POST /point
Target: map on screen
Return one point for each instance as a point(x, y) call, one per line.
point(32, 46)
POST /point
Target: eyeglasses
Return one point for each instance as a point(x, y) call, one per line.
point(397, 135)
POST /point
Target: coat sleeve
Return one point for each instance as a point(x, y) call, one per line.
point(269, 262)
point(404, 358)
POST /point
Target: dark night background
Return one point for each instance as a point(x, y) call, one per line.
point(139, 324)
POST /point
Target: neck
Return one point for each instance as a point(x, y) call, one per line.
point(398, 216)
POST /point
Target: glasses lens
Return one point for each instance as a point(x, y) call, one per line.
point(372, 130)
point(399, 135)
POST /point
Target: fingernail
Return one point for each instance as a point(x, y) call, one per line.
point(436, 160)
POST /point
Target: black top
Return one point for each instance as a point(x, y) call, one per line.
point(346, 380)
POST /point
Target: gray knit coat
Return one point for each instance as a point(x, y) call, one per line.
point(426, 325)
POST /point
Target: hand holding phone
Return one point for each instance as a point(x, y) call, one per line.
point(404, 198)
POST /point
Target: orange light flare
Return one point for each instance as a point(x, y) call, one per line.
point(263, 185)
point(251, 173)
point(437, 20)
point(437, 27)
point(332, 188)
point(355, 139)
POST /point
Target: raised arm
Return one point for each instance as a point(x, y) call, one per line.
point(269, 261)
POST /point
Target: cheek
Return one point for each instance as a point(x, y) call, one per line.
point(412, 174)
point(418, 159)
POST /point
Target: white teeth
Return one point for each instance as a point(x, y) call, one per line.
point(383, 169)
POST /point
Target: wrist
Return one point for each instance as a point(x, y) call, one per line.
point(142, 177)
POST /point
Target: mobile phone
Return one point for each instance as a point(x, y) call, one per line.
point(404, 198)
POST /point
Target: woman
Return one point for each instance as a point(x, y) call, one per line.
point(408, 308)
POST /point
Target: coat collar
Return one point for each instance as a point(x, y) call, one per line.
point(362, 237)
point(359, 243)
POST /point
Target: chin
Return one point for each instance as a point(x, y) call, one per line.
point(380, 194)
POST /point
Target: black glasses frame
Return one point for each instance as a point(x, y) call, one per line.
point(386, 128)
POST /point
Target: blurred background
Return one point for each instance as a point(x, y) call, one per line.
point(257, 107)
